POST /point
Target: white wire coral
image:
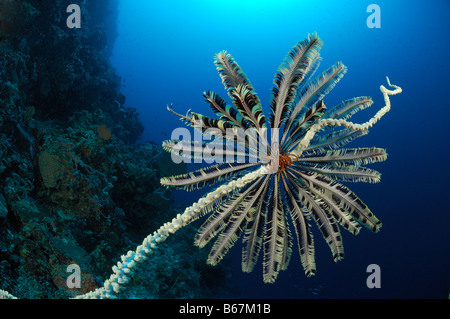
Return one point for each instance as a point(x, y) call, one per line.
point(212, 201)
point(290, 163)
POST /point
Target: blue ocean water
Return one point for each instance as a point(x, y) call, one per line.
point(164, 53)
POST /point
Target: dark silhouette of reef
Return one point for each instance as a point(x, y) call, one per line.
point(75, 188)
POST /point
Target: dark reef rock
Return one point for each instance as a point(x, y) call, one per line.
point(74, 188)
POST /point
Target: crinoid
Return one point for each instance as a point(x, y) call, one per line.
point(296, 176)
point(273, 186)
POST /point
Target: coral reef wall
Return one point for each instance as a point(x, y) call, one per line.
point(74, 186)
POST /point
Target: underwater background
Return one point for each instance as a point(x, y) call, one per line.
point(165, 50)
point(85, 110)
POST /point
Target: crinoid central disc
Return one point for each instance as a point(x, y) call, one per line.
point(285, 161)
